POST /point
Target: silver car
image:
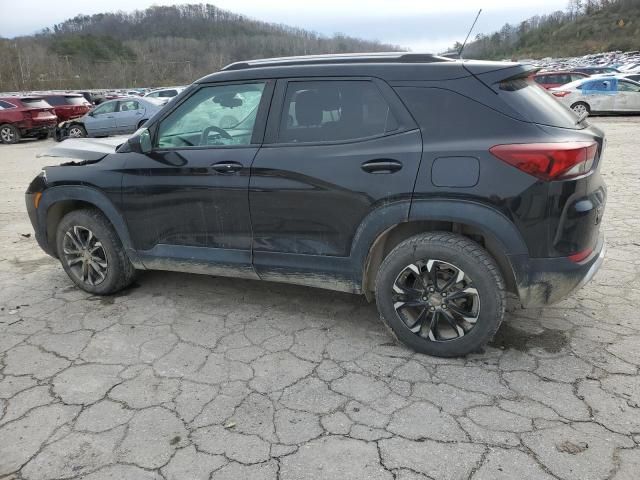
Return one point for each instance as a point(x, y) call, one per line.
point(113, 117)
point(602, 94)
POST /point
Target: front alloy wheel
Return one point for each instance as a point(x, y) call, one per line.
point(92, 254)
point(85, 255)
point(76, 131)
point(436, 300)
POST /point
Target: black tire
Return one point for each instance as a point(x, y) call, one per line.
point(447, 252)
point(580, 107)
point(118, 273)
point(76, 131)
point(9, 134)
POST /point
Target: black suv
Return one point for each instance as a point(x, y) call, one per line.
point(437, 186)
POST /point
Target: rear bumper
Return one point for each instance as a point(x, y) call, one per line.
point(545, 281)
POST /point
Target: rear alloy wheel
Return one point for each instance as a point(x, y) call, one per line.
point(77, 131)
point(9, 134)
point(581, 109)
point(441, 294)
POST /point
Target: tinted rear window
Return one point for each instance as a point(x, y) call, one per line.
point(75, 100)
point(35, 103)
point(54, 100)
point(536, 104)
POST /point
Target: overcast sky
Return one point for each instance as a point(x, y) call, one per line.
point(421, 25)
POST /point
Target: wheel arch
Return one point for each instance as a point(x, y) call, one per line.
point(58, 201)
point(481, 223)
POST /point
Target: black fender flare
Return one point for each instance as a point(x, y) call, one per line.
point(486, 219)
point(90, 195)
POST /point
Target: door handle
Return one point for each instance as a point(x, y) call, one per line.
point(381, 166)
point(227, 167)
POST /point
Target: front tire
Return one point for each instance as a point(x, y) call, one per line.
point(9, 134)
point(76, 131)
point(581, 108)
point(441, 294)
point(91, 253)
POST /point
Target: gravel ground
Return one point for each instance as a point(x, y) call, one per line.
point(191, 377)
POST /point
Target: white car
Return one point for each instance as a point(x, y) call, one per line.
point(605, 94)
point(164, 92)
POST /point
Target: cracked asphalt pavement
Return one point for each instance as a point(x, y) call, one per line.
point(186, 377)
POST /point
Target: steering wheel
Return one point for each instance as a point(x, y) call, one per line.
point(205, 134)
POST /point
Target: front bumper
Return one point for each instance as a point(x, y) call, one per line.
point(545, 281)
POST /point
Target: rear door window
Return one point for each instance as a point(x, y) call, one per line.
point(6, 105)
point(333, 110)
point(129, 105)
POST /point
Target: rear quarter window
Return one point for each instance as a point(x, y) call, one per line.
point(6, 105)
point(535, 104)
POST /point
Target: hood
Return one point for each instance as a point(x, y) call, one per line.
point(91, 149)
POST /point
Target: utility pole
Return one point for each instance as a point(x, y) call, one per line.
point(20, 65)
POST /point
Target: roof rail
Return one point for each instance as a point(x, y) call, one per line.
point(382, 57)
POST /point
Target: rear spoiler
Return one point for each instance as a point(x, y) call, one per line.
point(491, 78)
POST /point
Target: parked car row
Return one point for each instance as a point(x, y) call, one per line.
point(78, 114)
point(31, 116)
point(113, 117)
point(594, 90)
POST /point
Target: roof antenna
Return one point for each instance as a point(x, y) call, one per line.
point(470, 30)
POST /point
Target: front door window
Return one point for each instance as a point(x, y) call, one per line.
point(223, 115)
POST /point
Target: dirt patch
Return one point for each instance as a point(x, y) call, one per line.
point(549, 340)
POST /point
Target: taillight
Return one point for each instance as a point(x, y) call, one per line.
point(549, 161)
point(560, 93)
point(581, 255)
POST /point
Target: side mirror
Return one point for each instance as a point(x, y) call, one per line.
point(140, 142)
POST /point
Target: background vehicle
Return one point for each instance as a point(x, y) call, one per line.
point(434, 185)
point(167, 93)
point(25, 117)
point(600, 95)
point(555, 79)
point(595, 70)
point(68, 106)
point(112, 117)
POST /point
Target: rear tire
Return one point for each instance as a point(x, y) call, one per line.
point(580, 108)
point(9, 134)
point(91, 253)
point(441, 294)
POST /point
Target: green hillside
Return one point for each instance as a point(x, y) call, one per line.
point(587, 26)
point(153, 47)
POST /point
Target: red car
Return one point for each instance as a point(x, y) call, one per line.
point(68, 105)
point(25, 117)
point(555, 79)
